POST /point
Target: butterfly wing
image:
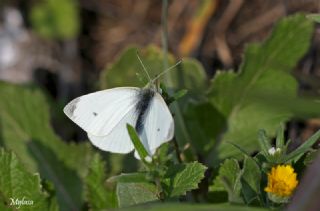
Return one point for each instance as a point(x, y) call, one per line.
point(158, 126)
point(118, 140)
point(100, 112)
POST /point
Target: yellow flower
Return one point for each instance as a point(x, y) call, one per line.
point(282, 180)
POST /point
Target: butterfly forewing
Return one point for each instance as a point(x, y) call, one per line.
point(100, 112)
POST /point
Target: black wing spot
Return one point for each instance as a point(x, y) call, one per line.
point(158, 129)
point(73, 106)
point(95, 114)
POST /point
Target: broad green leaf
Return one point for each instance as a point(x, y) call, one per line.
point(98, 195)
point(181, 178)
point(56, 18)
point(250, 180)
point(204, 125)
point(303, 148)
point(229, 177)
point(17, 183)
point(25, 129)
point(266, 69)
point(129, 194)
point(192, 207)
point(137, 142)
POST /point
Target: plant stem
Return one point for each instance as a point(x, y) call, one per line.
point(176, 147)
point(164, 37)
point(185, 137)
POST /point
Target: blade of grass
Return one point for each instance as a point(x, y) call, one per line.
point(296, 154)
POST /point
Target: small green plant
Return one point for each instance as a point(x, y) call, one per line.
point(267, 179)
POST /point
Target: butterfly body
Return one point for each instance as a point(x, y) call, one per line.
point(145, 97)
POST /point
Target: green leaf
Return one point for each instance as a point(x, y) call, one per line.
point(192, 207)
point(179, 94)
point(25, 129)
point(314, 17)
point(56, 18)
point(98, 195)
point(129, 194)
point(310, 157)
point(264, 142)
point(303, 148)
point(280, 142)
point(137, 142)
point(240, 149)
point(229, 177)
point(250, 180)
point(266, 69)
point(204, 126)
point(17, 183)
point(181, 178)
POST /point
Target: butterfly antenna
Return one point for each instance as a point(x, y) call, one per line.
point(167, 70)
point(144, 68)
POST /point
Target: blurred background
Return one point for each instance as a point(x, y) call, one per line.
point(63, 45)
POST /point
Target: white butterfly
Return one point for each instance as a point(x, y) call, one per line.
point(105, 114)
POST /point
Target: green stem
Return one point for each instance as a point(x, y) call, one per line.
point(165, 33)
point(175, 107)
point(176, 147)
point(164, 22)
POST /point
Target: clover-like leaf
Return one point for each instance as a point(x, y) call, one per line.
point(132, 193)
point(181, 178)
point(230, 178)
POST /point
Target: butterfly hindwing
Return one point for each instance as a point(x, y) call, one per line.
point(118, 139)
point(158, 126)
